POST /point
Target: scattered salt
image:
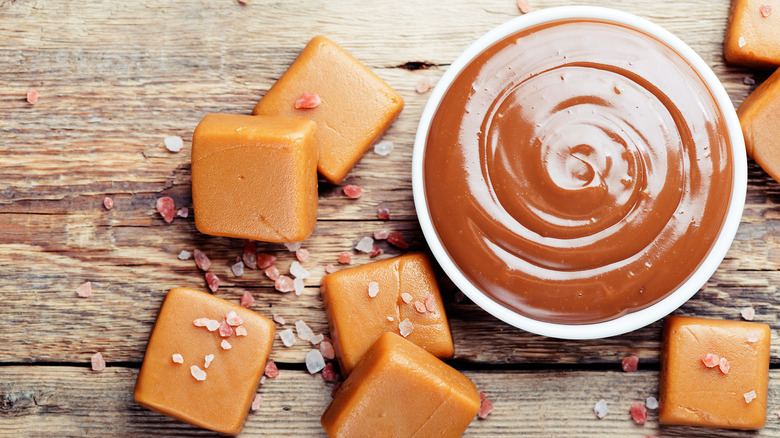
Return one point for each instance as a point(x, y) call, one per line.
point(331, 268)
point(753, 337)
point(724, 365)
point(710, 360)
point(249, 256)
point(383, 148)
point(766, 10)
point(390, 318)
point(256, 402)
point(293, 246)
point(406, 297)
point(304, 332)
point(183, 212)
point(424, 85)
point(352, 191)
point(381, 234)
point(748, 313)
point(523, 6)
point(302, 254)
point(279, 319)
point(314, 361)
point(225, 345)
point(741, 42)
point(262, 380)
point(383, 213)
point(397, 239)
point(747, 80)
point(209, 358)
point(373, 288)
point(272, 273)
point(271, 370)
point(600, 409)
point(430, 303)
point(108, 203)
point(639, 413)
point(419, 307)
point(328, 373)
point(177, 358)
point(298, 286)
point(184, 255)
point(238, 269)
point(198, 373)
point(365, 245)
point(247, 299)
point(375, 252)
point(166, 207)
point(405, 327)
point(98, 363)
point(212, 281)
point(308, 101)
point(316, 339)
point(749, 396)
point(225, 330)
point(241, 331)
point(84, 290)
point(233, 319)
point(201, 260)
point(297, 271)
point(345, 258)
point(288, 337)
point(651, 403)
point(173, 143)
point(200, 322)
point(212, 325)
point(485, 407)
point(284, 284)
point(326, 348)
point(32, 95)
point(265, 261)
point(630, 364)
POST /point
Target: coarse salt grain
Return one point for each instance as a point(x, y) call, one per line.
point(600, 409)
point(741, 42)
point(225, 330)
point(249, 256)
point(212, 281)
point(307, 101)
point(406, 297)
point(201, 260)
point(383, 213)
point(288, 337)
point(272, 273)
point(639, 413)
point(651, 403)
point(328, 373)
point(258, 400)
point(297, 271)
point(208, 359)
point(225, 345)
point(304, 332)
point(241, 331)
point(383, 148)
point(710, 360)
point(293, 246)
point(108, 203)
point(352, 191)
point(271, 370)
point(724, 365)
point(316, 339)
point(247, 299)
point(390, 318)
point(262, 380)
point(177, 358)
point(200, 322)
point(765, 10)
point(523, 6)
point(197, 373)
point(233, 319)
point(419, 307)
point(753, 337)
point(166, 207)
point(345, 258)
point(184, 255)
point(98, 363)
point(330, 268)
point(302, 254)
point(397, 239)
point(284, 284)
point(485, 407)
point(365, 245)
point(375, 252)
point(423, 85)
point(279, 319)
point(630, 364)
point(327, 351)
point(238, 269)
point(373, 288)
point(749, 396)
point(298, 286)
point(265, 261)
point(173, 143)
point(381, 234)
point(84, 290)
point(748, 313)
point(183, 212)
point(430, 303)
point(405, 327)
point(747, 80)
point(212, 325)
point(32, 95)
point(314, 361)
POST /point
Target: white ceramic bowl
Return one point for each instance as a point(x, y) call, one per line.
point(631, 321)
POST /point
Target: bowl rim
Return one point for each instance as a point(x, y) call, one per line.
point(633, 320)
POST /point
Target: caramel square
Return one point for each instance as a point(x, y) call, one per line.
point(759, 116)
point(753, 33)
point(221, 401)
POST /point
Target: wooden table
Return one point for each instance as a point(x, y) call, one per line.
point(117, 77)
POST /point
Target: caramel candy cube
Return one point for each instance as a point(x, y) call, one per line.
point(697, 394)
point(356, 319)
point(221, 400)
point(401, 390)
point(759, 116)
point(255, 177)
point(356, 105)
point(753, 33)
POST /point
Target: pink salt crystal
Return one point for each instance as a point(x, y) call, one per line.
point(419, 307)
point(279, 319)
point(256, 402)
point(766, 10)
point(748, 313)
point(84, 290)
point(212, 281)
point(284, 284)
point(302, 255)
point(639, 413)
point(406, 297)
point(345, 258)
point(328, 373)
point(330, 268)
point(197, 373)
point(397, 239)
point(485, 408)
point(225, 330)
point(177, 358)
point(241, 331)
point(298, 286)
point(249, 256)
point(375, 252)
point(32, 95)
point(381, 234)
point(201, 260)
point(108, 203)
point(183, 212)
point(247, 299)
point(213, 325)
point(724, 365)
point(326, 348)
point(166, 208)
point(753, 337)
point(246, 2)
point(749, 396)
point(207, 361)
point(265, 261)
point(233, 319)
point(352, 191)
point(383, 214)
point(271, 370)
point(430, 303)
point(373, 288)
point(293, 246)
point(225, 345)
point(630, 364)
point(316, 339)
point(424, 85)
point(98, 363)
point(238, 269)
point(405, 327)
point(308, 101)
point(523, 6)
point(201, 322)
point(272, 273)
point(710, 360)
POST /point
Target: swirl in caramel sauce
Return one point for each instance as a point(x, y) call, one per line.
point(577, 171)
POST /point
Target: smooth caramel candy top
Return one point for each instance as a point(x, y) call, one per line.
point(221, 401)
point(759, 116)
point(357, 106)
point(758, 35)
point(400, 390)
point(255, 177)
point(693, 394)
point(356, 320)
